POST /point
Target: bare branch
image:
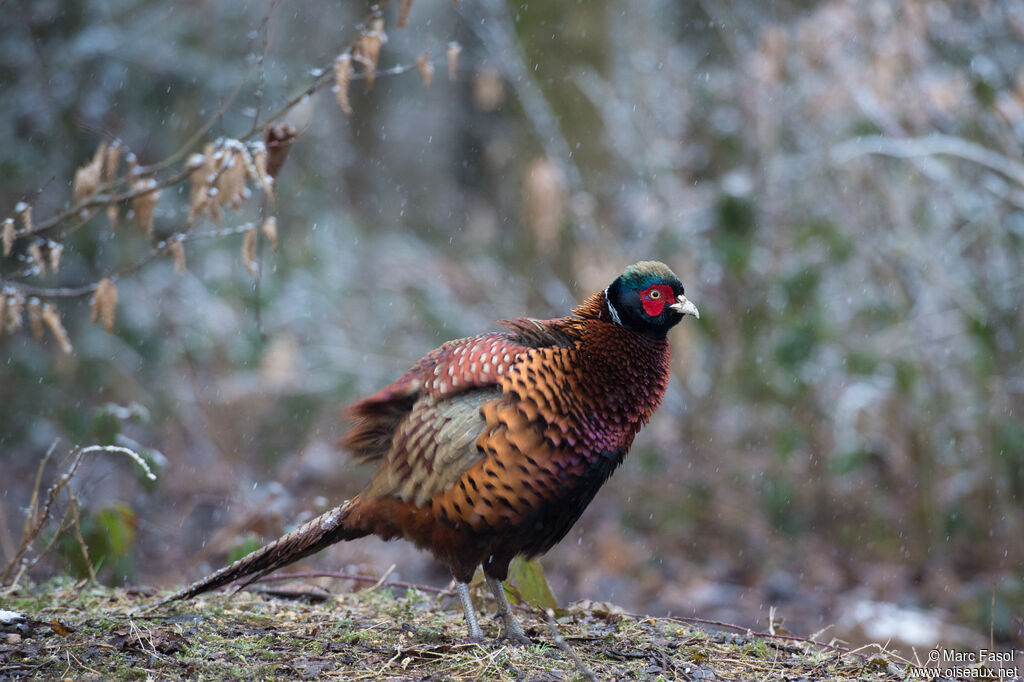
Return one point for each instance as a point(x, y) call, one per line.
point(565, 648)
point(35, 520)
point(931, 145)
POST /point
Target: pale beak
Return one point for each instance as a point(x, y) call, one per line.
point(684, 306)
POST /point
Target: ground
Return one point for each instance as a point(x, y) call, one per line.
point(82, 633)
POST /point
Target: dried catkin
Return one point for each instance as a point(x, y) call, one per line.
point(51, 318)
point(112, 160)
point(144, 204)
point(403, 13)
point(35, 318)
point(269, 229)
point(368, 50)
point(453, 60)
point(8, 237)
point(87, 178)
point(278, 139)
point(342, 78)
point(35, 254)
point(56, 250)
point(544, 199)
point(24, 212)
point(426, 69)
point(15, 308)
point(178, 255)
point(104, 304)
point(249, 251)
point(202, 170)
point(258, 172)
point(230, 183)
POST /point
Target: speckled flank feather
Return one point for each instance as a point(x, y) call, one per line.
point(492, 446)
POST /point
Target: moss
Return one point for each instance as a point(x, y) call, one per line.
point(378, 635)
point(757, 649)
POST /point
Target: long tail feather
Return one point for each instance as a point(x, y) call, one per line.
point(310, 538)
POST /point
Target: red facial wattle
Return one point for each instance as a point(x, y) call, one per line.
point(655, 298)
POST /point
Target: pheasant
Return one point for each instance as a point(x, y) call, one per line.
point(492, 446)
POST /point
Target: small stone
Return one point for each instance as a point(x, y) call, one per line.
point(13, 622)
point(13, 638)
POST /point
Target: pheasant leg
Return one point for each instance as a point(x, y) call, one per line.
point(512, 630)
point(475, 633)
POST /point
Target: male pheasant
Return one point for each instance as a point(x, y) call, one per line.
point(492, 446)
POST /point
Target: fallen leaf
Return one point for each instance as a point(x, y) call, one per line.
point(60, 628)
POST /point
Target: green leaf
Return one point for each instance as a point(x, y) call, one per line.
point(531, 585)
point(861, 362)
point(801, 287)
point(249, 544)
point(156, 461)
point(116, 526)
point(797, 345)
point(108, 420)
point(736, 222)
point(108, 535)
point(105, 427)
point(906, 375)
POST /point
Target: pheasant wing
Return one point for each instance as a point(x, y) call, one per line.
point(423, 428)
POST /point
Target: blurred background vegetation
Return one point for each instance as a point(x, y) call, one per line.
point(839, 184)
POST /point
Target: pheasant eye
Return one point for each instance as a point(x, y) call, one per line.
point(654, 295)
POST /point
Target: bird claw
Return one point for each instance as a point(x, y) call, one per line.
point(515, 638)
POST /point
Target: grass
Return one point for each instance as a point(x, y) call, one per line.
point(98, 633)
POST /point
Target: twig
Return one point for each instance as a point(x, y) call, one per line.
point(123, 189)
point(564, 646)
point(814, 636)
point(748, 631)
point(725, 21)
point(257, 302)
point(76, 523)
point(85, 220)
point(326, 77)
point(28, 564)
point(101, 199)
point(383, 578)
point(352, 576)
point(187, 234)
point(35, 522)
point(61, 527)
point(30, 515)
point(199, 134)
point(6, 540)
point(931, 145)
point(264, 29)
point(494, 27)
point(128, 452)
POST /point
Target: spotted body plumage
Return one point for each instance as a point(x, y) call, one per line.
point(492, 446)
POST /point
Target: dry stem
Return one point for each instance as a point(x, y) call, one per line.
point(37, 519)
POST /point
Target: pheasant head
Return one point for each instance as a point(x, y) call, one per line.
point(647, 298)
